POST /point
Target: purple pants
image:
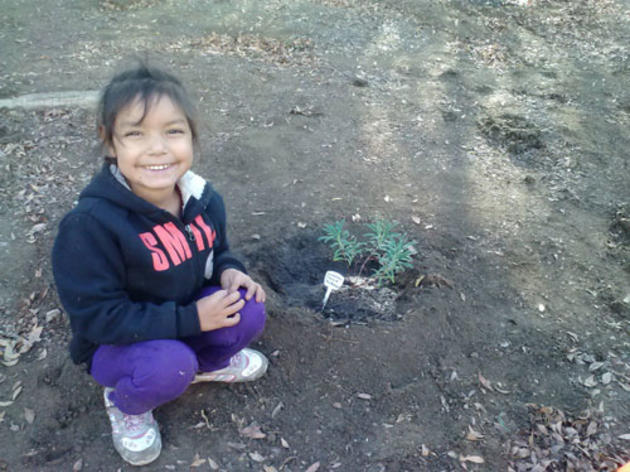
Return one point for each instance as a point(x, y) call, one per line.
point(147, 374)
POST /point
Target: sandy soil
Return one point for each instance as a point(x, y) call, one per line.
point(495, 133)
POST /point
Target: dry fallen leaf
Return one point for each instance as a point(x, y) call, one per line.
point(9, 363)
point(237, 446)
point(284, 443)
point(444, 403)
point(33, 336)
point(277, 409)
point(473, 435)
point(38, 228)
point(29, 415)
point(213, 465)
point(9, 356)
point(42, 354)
point(418, 281)
point(269, 468)
point(501, 390)
point(52, 314)
point(197, 461)
point(313, 467)
point(77, 466)
point(425, 451)
point(16, 392)
point(485, 382)
point(205, 419)
point(520, 452)
point(606, 378)
point(255, 456)
point(364, 396)
point(624, 436)
point(253, 432)
point(590, 382)
point(473, 459)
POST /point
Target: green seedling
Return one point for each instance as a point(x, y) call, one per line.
point(395, 258)
point(345, 246)
point(391, 250)
point(381, 233)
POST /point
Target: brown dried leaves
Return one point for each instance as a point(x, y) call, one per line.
point(12, 349)
point(268, 49)
point(558, 442)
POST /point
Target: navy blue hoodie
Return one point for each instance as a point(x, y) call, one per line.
point(127, 271)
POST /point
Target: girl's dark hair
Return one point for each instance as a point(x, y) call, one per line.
point(146, 84)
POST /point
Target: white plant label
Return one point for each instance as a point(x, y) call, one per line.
point(332, 281)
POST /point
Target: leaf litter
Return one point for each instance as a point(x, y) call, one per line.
point(558, 442)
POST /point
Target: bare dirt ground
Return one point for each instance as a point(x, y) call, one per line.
point(496, 134)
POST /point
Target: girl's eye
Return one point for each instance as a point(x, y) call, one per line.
point(175, 131)
point(132, 133)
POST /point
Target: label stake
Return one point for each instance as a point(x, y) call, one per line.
point(332, 281)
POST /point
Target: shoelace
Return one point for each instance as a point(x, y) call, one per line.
point(236, 359)
point(133, 422)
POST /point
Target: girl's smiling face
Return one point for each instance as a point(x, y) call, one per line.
point(153, 152)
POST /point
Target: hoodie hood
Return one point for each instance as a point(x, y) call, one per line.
point(111, 185)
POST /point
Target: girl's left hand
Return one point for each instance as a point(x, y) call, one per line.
point(233, 279)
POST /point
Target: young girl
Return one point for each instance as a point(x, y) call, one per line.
point(155, 298)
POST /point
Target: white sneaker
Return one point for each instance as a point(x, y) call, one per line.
point(136, 437)
point(245, 365)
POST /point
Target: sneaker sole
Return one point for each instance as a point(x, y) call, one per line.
point(224, 378)
point(144, 460)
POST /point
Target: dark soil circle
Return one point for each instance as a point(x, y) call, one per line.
point(295, 269)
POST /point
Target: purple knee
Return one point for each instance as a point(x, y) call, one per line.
point(252, 317)
point(175, 364)
point(146, 374)
point(167, 373)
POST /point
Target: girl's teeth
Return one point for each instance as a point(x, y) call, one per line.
point(162, 167)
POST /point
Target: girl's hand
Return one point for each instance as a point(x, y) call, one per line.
point(219, 310)
point(232, 279)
